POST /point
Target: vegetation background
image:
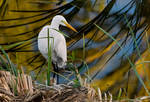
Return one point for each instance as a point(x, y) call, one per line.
point(111, 46)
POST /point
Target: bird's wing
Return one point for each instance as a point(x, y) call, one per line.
point(61, 51)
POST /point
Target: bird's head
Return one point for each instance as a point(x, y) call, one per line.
point(62, 21)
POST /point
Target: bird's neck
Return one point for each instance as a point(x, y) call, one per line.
point(55, 25)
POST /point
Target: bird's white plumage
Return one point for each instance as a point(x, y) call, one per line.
point(57, 42)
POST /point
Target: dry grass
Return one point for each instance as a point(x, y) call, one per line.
point(11, 85)
point(22, 89)
point(93, 94)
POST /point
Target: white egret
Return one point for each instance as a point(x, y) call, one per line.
point(56, 41)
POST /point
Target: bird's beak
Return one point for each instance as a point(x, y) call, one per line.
point(69, 26)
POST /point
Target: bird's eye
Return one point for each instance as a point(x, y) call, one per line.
point(62, 21)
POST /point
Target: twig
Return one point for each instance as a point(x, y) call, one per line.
point(3, 91)
point(38, 94)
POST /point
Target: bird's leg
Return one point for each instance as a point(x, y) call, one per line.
point(54, 74)
point(54, 70)
point(57, 76)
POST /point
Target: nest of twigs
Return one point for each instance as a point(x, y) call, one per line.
point(23, 89)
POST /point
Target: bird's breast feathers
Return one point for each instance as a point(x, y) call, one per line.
point(56, 41)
